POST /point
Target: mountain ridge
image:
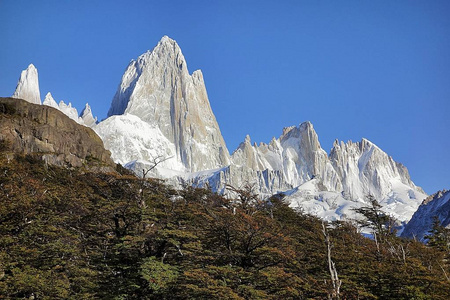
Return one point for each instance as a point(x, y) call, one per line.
point(160, 119)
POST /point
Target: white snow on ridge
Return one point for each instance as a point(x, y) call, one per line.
point(331, 205)
point(128, 136)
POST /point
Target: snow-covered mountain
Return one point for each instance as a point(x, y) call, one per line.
point(161, 115)
point(295, 157)
point(28, 89)
point(28, 86)
point(327, 186)
point(436, 205)
point(158, 89)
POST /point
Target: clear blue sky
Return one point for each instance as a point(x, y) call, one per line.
point(373, 69)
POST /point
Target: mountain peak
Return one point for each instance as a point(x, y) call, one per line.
point(248, 139)
point(166, 39)
point(307, 125)
point(31, 68)
point(87, 117)
point(28, 86)
point(166, 45)
point(366, 144)
point(49, 101)
point(158, 89)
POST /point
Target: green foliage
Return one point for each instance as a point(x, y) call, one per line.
point(439, 236)
point(379, 222)
point(67, 234)
point(159, 276)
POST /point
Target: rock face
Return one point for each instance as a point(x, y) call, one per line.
point(28, 86)
point(158, 88)
point(295, 157)
point(32, 128)
point(366, 169)
point(436, 205)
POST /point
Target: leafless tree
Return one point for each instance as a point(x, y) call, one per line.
point(336, 282)
point(155, 161)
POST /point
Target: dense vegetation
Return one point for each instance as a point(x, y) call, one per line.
point(68, 234)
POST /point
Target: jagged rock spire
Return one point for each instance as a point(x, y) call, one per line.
point(28, 86)
point(87, 117)
point(49, 101)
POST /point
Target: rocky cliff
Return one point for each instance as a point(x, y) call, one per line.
point(30, 128)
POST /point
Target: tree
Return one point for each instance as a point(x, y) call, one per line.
point(438, 236)
point(381, 224)
point(336, 283)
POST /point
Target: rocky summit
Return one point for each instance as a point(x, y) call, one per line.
point(158, 89)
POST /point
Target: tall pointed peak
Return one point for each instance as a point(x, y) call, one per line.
point(31, 67)
point(158, 89)
point(166, 39)
point(50, 101)
point(306, 126)
point(28, 86)
point(248, 139)
point(336, 143)
point(86, 110)
point(87, 116)
point(164, 46)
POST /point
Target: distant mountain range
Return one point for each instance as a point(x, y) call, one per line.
point(160, 117)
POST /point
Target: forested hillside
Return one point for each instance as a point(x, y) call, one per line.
point(73, 234)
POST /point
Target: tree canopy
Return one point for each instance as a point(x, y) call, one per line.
point(74, 234)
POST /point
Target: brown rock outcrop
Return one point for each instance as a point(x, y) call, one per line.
point(32, 128)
